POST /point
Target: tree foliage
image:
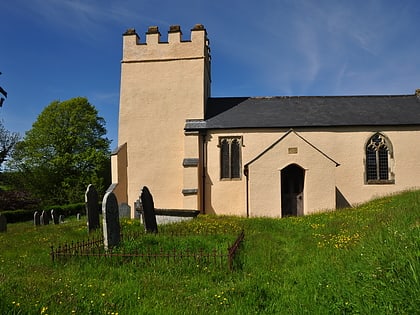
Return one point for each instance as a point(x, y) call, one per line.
point(4, 93)
point(7, 142)
point(65, 150)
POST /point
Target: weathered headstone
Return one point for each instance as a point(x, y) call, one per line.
point(111, 220)
point(148, 213)
point(78, 217)
point(37, 219)
point(92, 208)
point(45, 220)
point(138, 210)
point(3, 223)
point(125, 210)
point(54, 217)
point(61, 219)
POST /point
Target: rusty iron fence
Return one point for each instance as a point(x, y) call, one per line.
point(232, 250)
point(93, 248)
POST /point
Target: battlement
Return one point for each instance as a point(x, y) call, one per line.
point(154, 48)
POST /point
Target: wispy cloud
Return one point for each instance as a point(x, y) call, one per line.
point(77, 17)
point(331, 48)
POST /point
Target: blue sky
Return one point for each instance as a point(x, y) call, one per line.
point(59, 49)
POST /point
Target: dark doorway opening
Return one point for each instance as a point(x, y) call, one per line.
point(292, 181)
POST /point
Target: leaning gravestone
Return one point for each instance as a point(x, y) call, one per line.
point(3, 223)
point(92, 209)
point(45, 220)
point(148, 213)
point(37, 218)
point(111, 220)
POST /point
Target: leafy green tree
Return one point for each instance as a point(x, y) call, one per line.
point(65, 150)
point(7, 141)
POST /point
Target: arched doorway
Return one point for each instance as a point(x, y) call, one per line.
point(292, 182)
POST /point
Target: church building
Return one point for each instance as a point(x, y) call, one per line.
point(272, 156)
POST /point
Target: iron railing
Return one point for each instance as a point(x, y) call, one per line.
point(92, 248)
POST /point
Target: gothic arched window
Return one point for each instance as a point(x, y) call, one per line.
point(378, 157)
point(230, 157)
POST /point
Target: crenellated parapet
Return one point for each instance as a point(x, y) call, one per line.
point(154, 48)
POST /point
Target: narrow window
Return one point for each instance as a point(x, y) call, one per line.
point(383, 162)
point(230, 158)
point(224, 158)
point(234, 159)
point(378, 154)
point(371, 163)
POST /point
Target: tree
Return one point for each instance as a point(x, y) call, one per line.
point(4, 93)
point(7, 141)
point(65, 150)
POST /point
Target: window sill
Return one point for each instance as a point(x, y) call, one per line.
point(230, 179)
point(380, 182)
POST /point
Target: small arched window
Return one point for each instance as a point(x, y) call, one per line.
point(378, 157)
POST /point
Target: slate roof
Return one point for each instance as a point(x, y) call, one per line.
point(309, 111)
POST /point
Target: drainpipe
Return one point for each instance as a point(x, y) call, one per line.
point(246, 173)
point(203, 172)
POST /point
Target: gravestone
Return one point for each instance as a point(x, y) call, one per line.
point(111, 220)
point(92, 208)
point(78, 217)
point(138, 208)
point(45, 220)
point(54, 217)
point(125, 210)
point(148, 213)
point(37, 219)
point(3, 223)
point(61, 219)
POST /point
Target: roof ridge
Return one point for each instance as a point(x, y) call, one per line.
point(313, 96)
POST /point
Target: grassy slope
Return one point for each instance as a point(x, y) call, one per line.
point(364, 260)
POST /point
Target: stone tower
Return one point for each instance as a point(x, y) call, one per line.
point(163, 84)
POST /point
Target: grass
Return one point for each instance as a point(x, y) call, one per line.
point(364, 260)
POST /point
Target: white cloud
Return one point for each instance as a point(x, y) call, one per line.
point(83, 19)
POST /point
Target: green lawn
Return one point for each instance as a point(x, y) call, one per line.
point(364, 260)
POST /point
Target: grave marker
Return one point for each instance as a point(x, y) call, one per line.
point(111, 221)
point(92, 208)
point(3, 223)
point(125, 210)
point(148, 213)
point(37, 219)
point(45, 220)
point(54, 217)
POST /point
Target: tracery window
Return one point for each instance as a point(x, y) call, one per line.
point(230, 157)
point(378, 157)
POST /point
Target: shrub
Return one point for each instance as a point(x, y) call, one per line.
point(23, 215)
point(18, 215)
point(68, 210)
point(14, 200)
